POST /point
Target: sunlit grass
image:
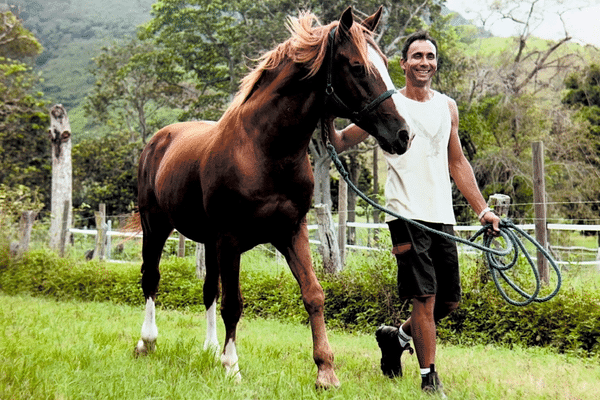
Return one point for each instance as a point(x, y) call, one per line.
point(72, 350)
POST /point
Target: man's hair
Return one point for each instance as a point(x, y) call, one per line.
point(419, 35)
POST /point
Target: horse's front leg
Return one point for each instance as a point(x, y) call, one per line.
point(297, 253)
point(153, 242)
point(211, 295)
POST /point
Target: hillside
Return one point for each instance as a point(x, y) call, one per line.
point(72, 32)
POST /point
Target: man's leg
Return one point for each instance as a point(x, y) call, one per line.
point(441, 310)
point(422, 329)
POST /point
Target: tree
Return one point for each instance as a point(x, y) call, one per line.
point(209, 41)
point(512, 101)
point(105, 171)
point(583, 97)
point(16, 41)
point(133, 82)
point(583, 94)
point(24, 150)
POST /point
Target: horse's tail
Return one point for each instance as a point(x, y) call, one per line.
point(133, 226)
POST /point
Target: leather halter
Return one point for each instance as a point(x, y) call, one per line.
point(356, 116)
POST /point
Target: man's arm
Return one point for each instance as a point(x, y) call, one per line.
point(462, 173)
point(347, 137)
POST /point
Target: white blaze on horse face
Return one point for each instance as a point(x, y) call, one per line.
point(211, 342)
point(149, 329)
point(379, 64)
point(229, 359)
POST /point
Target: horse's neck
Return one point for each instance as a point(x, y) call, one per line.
point(283, 111)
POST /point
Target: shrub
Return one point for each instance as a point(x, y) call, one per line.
point(360, 298)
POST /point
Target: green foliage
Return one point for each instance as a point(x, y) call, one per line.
point(106, 172)
point(583, 95)
point(17, 41)
point(359, 299)
point(24, 149)
point(133, 82)
point(15, 200)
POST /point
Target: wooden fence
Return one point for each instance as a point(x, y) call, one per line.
point(462, 230)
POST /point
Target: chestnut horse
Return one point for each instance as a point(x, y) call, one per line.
point(247, 179)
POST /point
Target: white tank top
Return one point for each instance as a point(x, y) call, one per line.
point(418, 182)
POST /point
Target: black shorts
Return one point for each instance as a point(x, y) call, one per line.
point(427, 262)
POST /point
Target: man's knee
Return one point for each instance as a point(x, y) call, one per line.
point(443, 309)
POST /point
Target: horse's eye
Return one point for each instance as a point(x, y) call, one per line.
point(358, 70)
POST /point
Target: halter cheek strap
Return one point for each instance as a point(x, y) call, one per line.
point(356, 116)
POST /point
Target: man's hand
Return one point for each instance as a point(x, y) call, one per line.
point(491, 218)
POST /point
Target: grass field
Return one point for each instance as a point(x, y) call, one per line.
point(73, 350)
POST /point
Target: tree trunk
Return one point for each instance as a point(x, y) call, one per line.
point(62, 181)
point(329, 245)
point(354, 168)
point(342, 216)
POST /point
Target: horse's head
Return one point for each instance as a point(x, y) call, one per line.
point(359, 86)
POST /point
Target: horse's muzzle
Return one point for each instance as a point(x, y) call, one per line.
point(401, 143)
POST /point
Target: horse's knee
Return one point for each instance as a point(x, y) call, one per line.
point(314, 298)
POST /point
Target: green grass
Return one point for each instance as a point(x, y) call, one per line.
point(75, 350)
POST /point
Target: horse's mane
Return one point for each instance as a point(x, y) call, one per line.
point(307, 45)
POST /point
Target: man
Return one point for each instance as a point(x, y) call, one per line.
point(418, 187)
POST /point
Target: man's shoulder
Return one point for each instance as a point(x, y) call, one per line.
point(444, 96)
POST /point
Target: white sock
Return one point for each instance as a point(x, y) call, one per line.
point(425, 371)
point(403, 337)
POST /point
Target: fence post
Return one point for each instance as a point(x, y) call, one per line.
point(99, 251)
point(342, 216)
point(108, 240)
point(27, 219)
point(181, 247)
point(539, 200)
point(200, 261)
point(329, 246)
point(598, 255)
point(500, 203)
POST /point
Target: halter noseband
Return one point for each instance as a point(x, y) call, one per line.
point(356, 116)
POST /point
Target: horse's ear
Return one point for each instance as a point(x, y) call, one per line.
point(346, 20)
point(371, 22)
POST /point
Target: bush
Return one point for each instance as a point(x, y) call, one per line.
point(360, 298)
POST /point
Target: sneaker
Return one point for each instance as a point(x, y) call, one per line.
point(391, 351)
point(431, 384)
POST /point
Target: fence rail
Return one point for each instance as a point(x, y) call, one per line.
point(383, 226)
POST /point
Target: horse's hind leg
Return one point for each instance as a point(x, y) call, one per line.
point(297, 254)
point(157, 229)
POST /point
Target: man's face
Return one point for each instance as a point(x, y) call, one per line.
point(421, 62)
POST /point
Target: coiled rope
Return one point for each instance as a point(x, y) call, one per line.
point(496, 266)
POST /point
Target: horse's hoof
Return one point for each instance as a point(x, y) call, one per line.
point(144, 347)
point(327, 380)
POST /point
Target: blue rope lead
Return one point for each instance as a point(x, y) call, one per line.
point(496, 266)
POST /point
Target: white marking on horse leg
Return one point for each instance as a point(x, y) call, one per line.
point(211, 342)
point(229, 359)
point(149, 330)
